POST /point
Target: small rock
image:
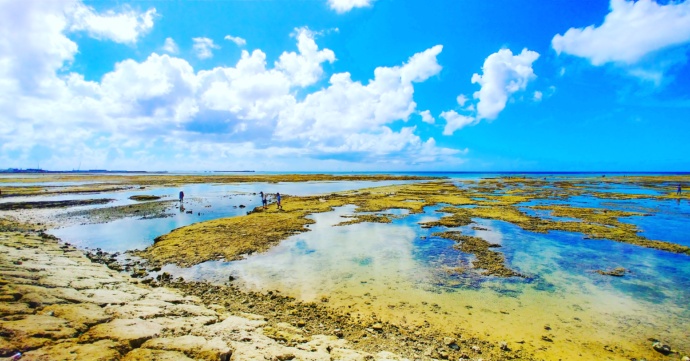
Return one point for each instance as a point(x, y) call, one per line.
point(377, 327)
point(662, 347)
point(301, 323)
point(284, 357)
point(476, 349)
point(504, 346)
point(616, 272)
point(547, 338)
point(448, 341)
point(685, 358)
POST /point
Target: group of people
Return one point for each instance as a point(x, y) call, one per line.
point(264, 200)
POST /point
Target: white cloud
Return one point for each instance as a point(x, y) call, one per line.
point(203, 47)
point(462, 99)
point(427, 117)
point(343, 6)
point(161, 86)
point(631, 31)
point(349, 106)
point(236, 39)
point(538, 96)
point(503, 75)
point(455, 121)
point(247, 91)
point(125, 26)
point(304, 68)
point(163, 113)
point(170, 46)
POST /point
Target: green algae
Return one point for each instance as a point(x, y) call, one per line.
point(143, 197)
point(8, 206)
point(493, 263)
point(152, 209)
point(231, 238)
point(361, 218)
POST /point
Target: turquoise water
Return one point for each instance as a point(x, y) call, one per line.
point(205, 201)
point(373, 266)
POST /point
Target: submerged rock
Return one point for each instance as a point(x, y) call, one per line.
point(616, 272)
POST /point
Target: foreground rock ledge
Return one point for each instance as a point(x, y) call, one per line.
point(55, 304)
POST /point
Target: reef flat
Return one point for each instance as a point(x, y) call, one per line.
point(13, 187)
point(366, 327)
point(496, 199)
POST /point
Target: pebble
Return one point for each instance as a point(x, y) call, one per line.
point(661, 347)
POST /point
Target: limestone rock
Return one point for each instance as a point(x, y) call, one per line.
point(42, 326)
point(193, 346)
point(103, 350)
point(81, 316)
point(143, 354)
point(129, 332)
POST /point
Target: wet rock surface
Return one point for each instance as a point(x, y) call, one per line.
point(8, 206)
point(144, 197)
point(616, 272)
point(151, 209)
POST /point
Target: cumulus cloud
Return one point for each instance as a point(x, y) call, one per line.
point(124, 26)
point(170, 46)
point(455, 121)
point(503, 74)
point(203, 47)
point(163, 113)
point(427, 117)
point(631, 30)
point(236, 39)
point(343, 6)
point(349, 106)
point(304, 68)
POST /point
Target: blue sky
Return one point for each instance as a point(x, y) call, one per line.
point(345, 85)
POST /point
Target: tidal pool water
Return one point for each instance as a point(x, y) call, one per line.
point(205, 201)
point(402, 273)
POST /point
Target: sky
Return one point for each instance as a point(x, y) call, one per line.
point(345, 85)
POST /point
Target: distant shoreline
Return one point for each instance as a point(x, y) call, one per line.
point(93, 171)
point(105, 171)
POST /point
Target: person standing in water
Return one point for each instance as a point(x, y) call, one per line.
point(679, 190)
point(278, 201)
point(181, 196)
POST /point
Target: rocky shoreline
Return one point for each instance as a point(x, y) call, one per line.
point(57, 302)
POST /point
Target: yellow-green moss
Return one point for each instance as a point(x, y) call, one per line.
point(361, 218)
point(493, 263)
